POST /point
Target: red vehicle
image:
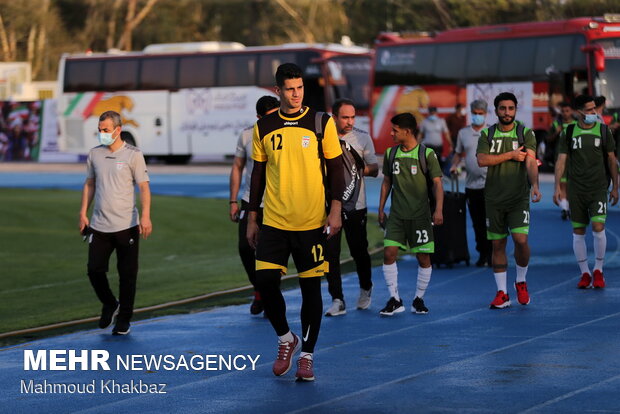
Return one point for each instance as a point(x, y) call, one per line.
point(542, 63)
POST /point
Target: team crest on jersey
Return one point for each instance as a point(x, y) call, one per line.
point(120, 165)
point(414, 169)
point(305, 141)
point(515, 145)
point(597, 142)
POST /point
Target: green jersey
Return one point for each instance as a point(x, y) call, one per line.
point(586, 161)
point(507, 183)
point(556, 124)
point(409, 188)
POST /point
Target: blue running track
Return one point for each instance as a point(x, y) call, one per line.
point(560, 354)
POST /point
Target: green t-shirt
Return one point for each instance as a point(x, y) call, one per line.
point(409, 188)
point(507, 182)
point(556, 124)
point(585, 162)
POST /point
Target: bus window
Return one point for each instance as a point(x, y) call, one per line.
point(158, 73)
point(82, 76)
point(197, 72)
point(449, 62)
point(482, 61)
point(120, 75)
point(237, 70)
point(554, 54)
point(349, 78)
point(268, 64)
point(516, 57)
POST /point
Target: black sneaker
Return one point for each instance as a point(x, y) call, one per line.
point(121, 328)
point(393, 306)
point(257, 304)
point(565, 215)
point(418, 306)
point(108, 314)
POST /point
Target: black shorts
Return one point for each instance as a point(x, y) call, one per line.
point(307, 248)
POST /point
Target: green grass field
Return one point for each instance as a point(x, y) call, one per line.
point(192, 251)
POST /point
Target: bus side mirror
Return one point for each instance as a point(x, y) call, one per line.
point(598, 54)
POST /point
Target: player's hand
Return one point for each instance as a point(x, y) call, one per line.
point(83, 223)
point(454, 170)
point(613, 197)
point(381, 219)
point(437, 217)
point(536, 195)
point(251, 233)
point(234, 212)
point(146, 227)
point(334, 223)
point(518, 154)
point(557, 196)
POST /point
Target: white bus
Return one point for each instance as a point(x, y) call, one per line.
point(177, 104)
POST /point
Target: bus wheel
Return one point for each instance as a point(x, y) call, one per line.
point(128, 138)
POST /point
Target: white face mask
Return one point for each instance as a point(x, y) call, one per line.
point(105, 138)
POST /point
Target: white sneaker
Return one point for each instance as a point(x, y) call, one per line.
point(363, 302)
point(336, 309)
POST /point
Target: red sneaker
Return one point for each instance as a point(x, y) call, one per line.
point(599, 280)
point(304, 369)
point(585, 281)
point(522, 295)
point(501, 300)
point(286, 350)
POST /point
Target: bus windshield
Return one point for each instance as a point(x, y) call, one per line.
point(609, 80)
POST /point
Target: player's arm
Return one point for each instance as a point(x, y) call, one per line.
point(146, 227)
point(371, 166)
point(560, 166)
point(236, 173)
point(488, 160)
point(257, 189)
point(88, 193)
point(532, 174)
point(613, 170)
point(438, 193)
point(386, 187)
point(459, 154)
point(335, 177)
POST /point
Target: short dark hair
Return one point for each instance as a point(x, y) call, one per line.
point(265, 104)
point(114, 116)
point(582, 100)
point(287, 71)
point(338, 104)
point(432, 109)
point(564, 104)
point(600, 100)
point(505, 96)
point(405, 121)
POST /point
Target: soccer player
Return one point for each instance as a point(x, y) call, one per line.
point(243, 160)
point(508, 150)
point(288, 169)
point(410, 225)
point(584, 150)
point(565, 119)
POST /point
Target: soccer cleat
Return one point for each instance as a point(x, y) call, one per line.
point(121, 328)
point(304, 369)
point(418, 306)
point(363, 302)
point(257, 304)
point(522, 294)
point(337, 308)
point(393, 306)
point(565, 215)
point(284, 360)
point(108, 314)
point(501, 300)
point(585, 281)
point(599, 280)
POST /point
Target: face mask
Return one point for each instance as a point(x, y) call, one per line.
point(432, 117)
point(105, 138)
point(590, 118)
point(477, 119)
point(463, 112)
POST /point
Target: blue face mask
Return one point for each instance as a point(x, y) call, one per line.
point(432, 117)
point(105, 138)
point(590, 118)
point(477, 120)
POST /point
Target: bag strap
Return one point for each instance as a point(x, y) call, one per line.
point(570, 130)
point(422, 159)
point(520, 134)
point(392, 156)
point(490, 133)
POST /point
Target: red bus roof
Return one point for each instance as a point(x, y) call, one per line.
point(592, 27)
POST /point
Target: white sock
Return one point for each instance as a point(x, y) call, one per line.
point(600, 245)
point(306, 355)
point(287, 337)
point(500, 280)
point(521, 272)
point(581, 252)
point(424, 276)
point(390, 273)
point(564, 204)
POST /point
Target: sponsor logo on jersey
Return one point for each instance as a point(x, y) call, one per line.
point(597, 142)
point(414, 169)
point(289, 123)
point(305, 141)
point(515, 145)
